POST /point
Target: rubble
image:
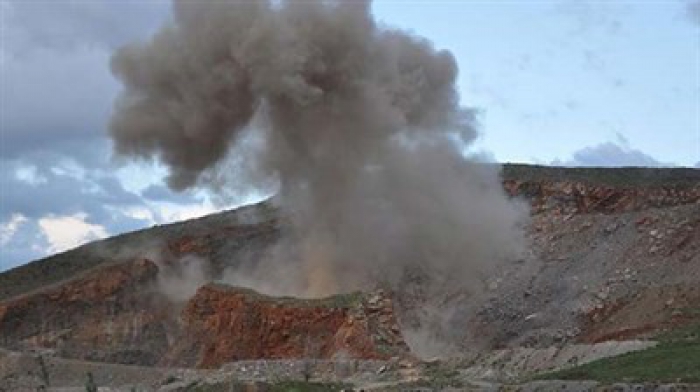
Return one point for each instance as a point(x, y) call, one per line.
point(511, 364)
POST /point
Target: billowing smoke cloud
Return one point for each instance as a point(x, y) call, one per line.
point(359, 125)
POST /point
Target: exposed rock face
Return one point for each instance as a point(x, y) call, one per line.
point(224, 238)
point(225, 324)
point(595, 277)
point(649, 311)
point(608, 262)
point(567, 197)
point(116, 314)
point(108, 315)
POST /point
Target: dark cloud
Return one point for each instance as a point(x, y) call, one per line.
point(67, 25)
point(51, 107)
point(56, 94)
point(55, 63)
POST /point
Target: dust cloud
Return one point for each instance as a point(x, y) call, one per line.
point(358, 126)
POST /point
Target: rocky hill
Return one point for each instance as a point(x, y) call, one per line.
point(614, 256)
point(226, 324)
point(117, 314)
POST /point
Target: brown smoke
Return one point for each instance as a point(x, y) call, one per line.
point(361, 128)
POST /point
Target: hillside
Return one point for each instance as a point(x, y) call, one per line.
point(248, 227)
point(614, 258)
point(220, 235)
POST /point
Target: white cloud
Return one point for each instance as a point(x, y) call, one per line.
point(169, 212)
point(137, 176)
point(70, 168)
point(9, 228)
point(611, 154)
point(66, 232)
point(140, 213)
point(30, 175)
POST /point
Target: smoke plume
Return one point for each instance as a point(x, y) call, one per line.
point(358, 124)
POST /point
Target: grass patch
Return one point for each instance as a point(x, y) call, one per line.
point(345, 301)
point(218, 387)
point(675, 359)
point(302, 386)
point(281, 386)
point(688, 334)
point(438, 376)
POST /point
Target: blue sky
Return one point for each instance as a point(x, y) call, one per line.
point(600, 83)
point(552, 77)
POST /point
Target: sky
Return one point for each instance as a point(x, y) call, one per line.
point(565, 82)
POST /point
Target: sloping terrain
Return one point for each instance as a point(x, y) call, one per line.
point(230, 236)
point(614, 256)
point(118, 315)
point(111, 315)
point(607, 263)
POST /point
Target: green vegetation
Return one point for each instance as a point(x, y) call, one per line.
point(218, 387)
point(675, 359)
point(171, 379)
point(280, 386)
point(90, 385)
point(303, 386)
point(437, 376)
point(347, 300)
point(44, 371)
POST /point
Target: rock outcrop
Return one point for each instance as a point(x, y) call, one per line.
point(225, 324)
point(610, 259)
point(117, 314)
point(110, 315)
point(570, 197)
